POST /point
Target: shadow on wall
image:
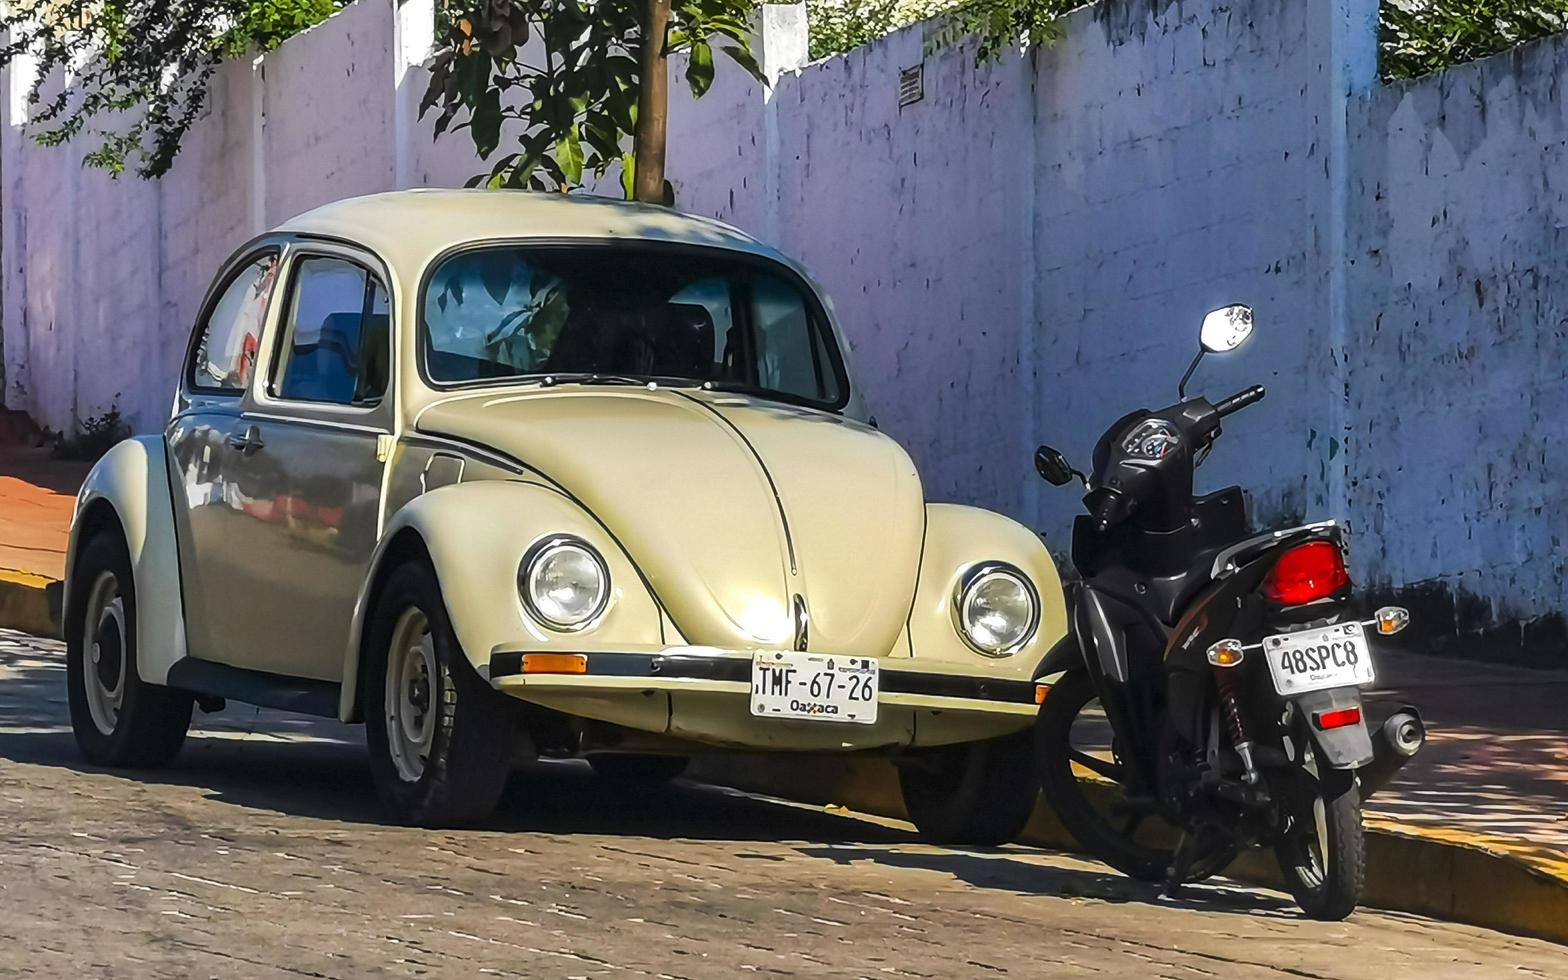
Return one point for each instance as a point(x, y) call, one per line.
point(1129, 20)
point(1452, 622)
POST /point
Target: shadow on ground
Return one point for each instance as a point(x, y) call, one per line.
point(1007, 869)
point(298, 767)
point(308, 767)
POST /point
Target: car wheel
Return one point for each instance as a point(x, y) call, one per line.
point(979, 793)
point(640, 771)
point(441, 739)
point(118, 718)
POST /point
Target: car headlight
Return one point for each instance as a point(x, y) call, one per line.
point(1151, 439)
point(563, 583)
point(996, 609)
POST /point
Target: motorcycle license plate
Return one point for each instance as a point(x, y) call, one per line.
point(1312, 660)
point(814, 687)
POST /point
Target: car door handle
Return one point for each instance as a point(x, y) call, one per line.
point(247, 443)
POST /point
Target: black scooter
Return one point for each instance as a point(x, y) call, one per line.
point(1207, 696)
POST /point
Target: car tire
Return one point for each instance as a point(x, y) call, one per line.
point(118, 719)
point(441, 739)
point(637, 771)
point(979, 793)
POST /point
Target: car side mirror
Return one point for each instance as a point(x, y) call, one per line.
point(1052, 466)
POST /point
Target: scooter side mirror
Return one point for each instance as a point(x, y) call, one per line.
point(1052, 466)
point(1226, 328)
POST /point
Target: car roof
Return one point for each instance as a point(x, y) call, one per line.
point(409, 228)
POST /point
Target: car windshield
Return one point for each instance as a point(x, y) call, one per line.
point(612, 312)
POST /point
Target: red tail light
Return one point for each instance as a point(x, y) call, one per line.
point(1338, 719)
point(1305, 573)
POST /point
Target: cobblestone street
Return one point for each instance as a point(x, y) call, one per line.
point(261, 855)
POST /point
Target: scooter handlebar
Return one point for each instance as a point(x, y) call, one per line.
point(1239, 401)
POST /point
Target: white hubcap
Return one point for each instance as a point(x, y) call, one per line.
point(105, 640)
point(411, 694)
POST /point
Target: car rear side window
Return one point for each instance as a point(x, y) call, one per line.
point(226, 351)
point(336, 341)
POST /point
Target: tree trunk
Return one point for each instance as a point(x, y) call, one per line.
point(653, 104)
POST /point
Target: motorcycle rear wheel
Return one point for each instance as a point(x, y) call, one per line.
point(1322, 857)
point(1088, 791)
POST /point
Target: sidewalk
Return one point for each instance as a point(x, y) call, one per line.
point(1492, 779)
point(1496, 761)
point(37, 496)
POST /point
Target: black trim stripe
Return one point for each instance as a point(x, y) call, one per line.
point(510, 664)
point(949, 686)
point(298, 694)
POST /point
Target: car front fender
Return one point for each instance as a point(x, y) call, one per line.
point(957, 538)
point(474, 536)
point(131, 482)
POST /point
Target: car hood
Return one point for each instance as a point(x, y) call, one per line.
point(730, 506)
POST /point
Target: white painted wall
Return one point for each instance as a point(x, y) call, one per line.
point(102, 277)
point(1021, 256)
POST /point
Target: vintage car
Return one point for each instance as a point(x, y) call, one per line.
point(503, 475)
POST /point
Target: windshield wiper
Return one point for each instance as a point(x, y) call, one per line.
point(644, 380)
point(595, 378)
point(739, 387)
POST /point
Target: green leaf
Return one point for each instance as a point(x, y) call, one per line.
point(743, 57)
point(569, 154)
point(445, 119)
point(628, 173)
point(487, 122)
point(621, 106)
point(699, 70)
point(440, 69)
point(473, 76)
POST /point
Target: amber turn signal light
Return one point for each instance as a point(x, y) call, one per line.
point(1226, 653)
point(555, 663)
point(1391, 619)
point(1040, 691)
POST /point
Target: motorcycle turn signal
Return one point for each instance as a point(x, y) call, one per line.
point(1226, 653)
point(1390, 620)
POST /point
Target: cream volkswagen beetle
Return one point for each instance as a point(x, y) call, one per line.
point(504, 474)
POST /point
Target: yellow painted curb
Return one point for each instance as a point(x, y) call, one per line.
point(1440, 872)
point(24, 603)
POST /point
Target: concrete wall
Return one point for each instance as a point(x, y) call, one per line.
point(1020, 256)
point(1457, 337)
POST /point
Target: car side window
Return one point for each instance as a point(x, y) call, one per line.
point(336, 338)
point(790, 354)
point(226, 352)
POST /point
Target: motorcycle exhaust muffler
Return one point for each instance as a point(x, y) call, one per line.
point(1393, 745)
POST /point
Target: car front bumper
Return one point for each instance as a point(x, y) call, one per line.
point(703, 694)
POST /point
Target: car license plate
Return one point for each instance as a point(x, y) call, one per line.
point(1311, 660)
point(814, 686)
